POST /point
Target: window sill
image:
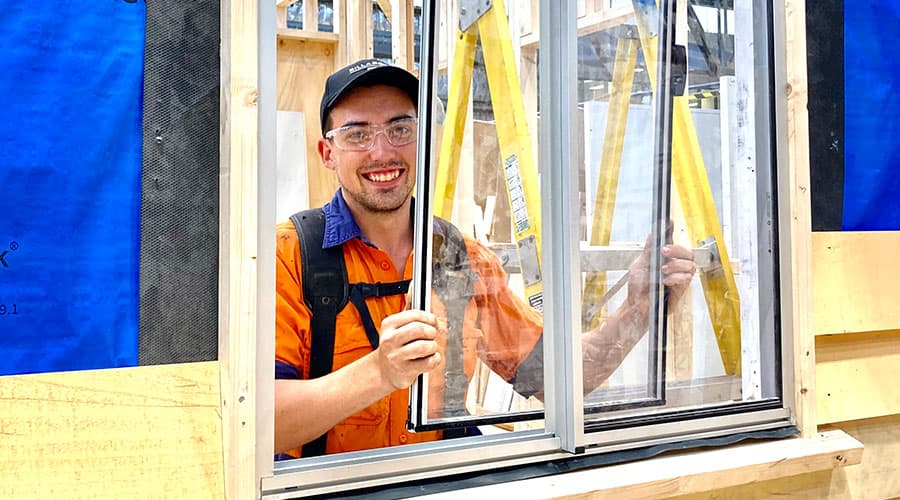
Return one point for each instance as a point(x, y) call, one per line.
point(687, 472)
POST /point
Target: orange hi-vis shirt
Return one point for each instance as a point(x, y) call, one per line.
point(499, 328)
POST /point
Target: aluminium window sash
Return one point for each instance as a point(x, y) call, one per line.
point(563, 398)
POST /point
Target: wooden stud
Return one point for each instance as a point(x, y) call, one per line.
point(798, 272)
point(402, 33)
point(238, 244)
point(311, 15)
point(358, 34)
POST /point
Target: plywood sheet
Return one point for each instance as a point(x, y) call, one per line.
point(302, 68)
point(856, 282)
point(146, 432)
point(857, 376)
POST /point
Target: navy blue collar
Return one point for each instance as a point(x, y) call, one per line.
point(340, 226)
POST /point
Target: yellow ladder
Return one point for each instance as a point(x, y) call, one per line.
point(519, 167)
point(692, 185)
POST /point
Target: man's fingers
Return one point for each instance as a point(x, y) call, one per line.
point(425, 364)
point(417, 349)
point(677, 279)
point(677, 252)
point(407, 333)
point(408, 316)
point(679, 266)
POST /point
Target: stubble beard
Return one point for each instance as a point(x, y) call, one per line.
point(383, 200)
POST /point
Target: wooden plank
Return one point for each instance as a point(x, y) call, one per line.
point(151, 431)
point(302, 68)
point(856, 282)
point(796, 267)
point(281, 17)
point(339, 18)
point(856, 376)
point(878, 476)
point(590, 23)
point(308, 36)
point(311, 15)
point(387, 6)
point(358, 35)
point(402, 33)
point(238, 239)
point(687, 472)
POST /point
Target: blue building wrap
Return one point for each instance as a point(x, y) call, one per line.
point(70, 184)
point(872, 116)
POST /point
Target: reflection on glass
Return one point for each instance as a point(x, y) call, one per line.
point(486, 186)
point(616, 109)
point(713, 347)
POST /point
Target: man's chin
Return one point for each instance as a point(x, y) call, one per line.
point(382, 205)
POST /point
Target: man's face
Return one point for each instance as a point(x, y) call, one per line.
point(382, 178)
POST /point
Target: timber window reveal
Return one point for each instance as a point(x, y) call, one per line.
point(588, 153)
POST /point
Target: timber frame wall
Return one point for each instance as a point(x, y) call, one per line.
point(189, 430)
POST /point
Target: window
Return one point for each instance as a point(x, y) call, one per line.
point(588, 155)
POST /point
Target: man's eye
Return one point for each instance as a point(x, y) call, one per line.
point(356, 135)
point(401, 130)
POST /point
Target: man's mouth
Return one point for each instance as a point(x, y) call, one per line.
point(382, 176)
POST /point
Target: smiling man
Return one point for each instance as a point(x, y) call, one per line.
point(342, 379)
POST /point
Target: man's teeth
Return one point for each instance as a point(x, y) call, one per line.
point(385, 177)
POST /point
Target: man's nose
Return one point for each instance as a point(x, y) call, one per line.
point(381, 144)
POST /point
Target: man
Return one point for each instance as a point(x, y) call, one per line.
point(368, 116)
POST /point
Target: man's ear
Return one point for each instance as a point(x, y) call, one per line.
point(326, 153)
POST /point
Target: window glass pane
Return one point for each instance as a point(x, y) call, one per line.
point(720, 335)
point(621, 190)
point(486, 184)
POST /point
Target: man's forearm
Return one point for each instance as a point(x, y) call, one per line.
point(605, 347)
point(306, 409)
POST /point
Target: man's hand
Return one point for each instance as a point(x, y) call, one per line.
point(606, 346)
point(678, 269)
point(407, 347)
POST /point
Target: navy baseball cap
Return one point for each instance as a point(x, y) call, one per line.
point(366, 73)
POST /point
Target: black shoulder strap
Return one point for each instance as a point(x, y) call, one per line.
point(325, 292)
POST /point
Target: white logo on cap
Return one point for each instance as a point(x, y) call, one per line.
point(366, 65)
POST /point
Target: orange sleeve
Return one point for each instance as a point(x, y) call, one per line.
point(510, 328)
point(292, 317)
